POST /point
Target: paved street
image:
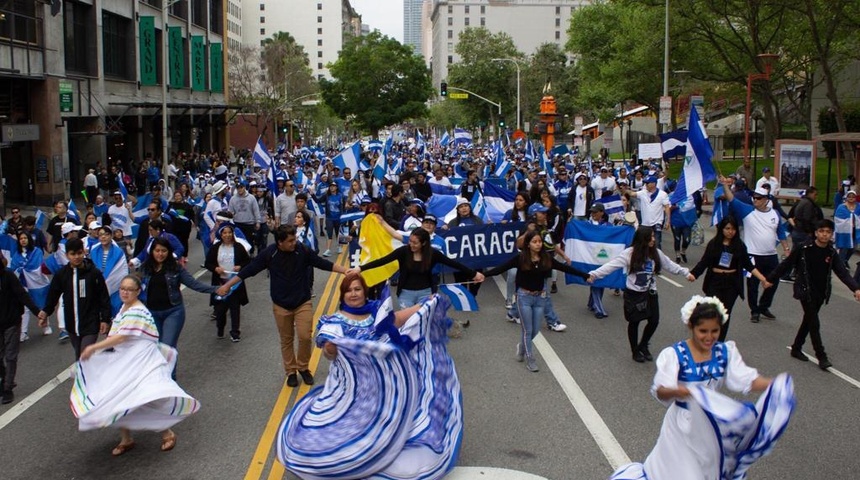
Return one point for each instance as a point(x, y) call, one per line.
point(586, 411)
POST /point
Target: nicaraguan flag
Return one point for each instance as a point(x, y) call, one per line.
point(462, 135)
point(300, 178)
point(375, 145)
point(261, 155)
point(73, 211)
point(590, 246)
point(349, 158)
point(546, 164)
point(40, 219)
point(530, 151)
point(612, 204)
point(114, 267)
point(441, 205)
point(442, 189)
point(846, 222)
point(29, 271)
point(420, 143)
point(698, 168)
point(461, 298)
point(497, 201)
point(674, 144)
point(502, 163)
point(122, 189)
point(445, 140)
point(560, 150)
point(352, 216)
point(315, 207)
point(478, 206)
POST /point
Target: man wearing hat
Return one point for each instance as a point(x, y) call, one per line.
point(582, 196)
point(603, 185)
point(655, 208)
point(766, 177)
point(218, 203)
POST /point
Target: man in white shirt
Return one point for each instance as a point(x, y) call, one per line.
point(604, 185)
point(440, 179)
point(766, 177)
point(655, 208)
point(91, 184)
point(218, 203)
point(121, 216)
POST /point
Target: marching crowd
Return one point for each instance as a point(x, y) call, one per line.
point(111, 266)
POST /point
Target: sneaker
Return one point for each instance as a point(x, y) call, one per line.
point(292, 380)
point(64, 336)
point(553, 288)
point(512, 319)
point(684, 257)
point(638, 357)
point(8, 396)
point(24, 337)
point(755, 318)
point(466, 324)
point(766, 314)
point(508, 305)
point(49, 331)
point(646, 353)
point(339, 249)
point(798, 354)
point(824, 363)
point(677, 259)
point(235, 338)
point(520, 354)
point(327, 253)
point(557, 327)
point(532, 365)
point(307, 377)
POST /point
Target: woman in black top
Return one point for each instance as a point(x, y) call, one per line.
point(722, 263)
point(416, 260)
point(534, 265)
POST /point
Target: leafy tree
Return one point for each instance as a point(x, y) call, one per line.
point(477, 72)
point(377, 82)
point(249, 87)
point(287, 67)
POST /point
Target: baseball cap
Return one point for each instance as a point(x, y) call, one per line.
point(597, 207)
point(765, 169)
point(537, 207)
point(94, 225)
point(429, 218)
point(462, 201)
point(850, 192)
point(651, 179)
point(761, 191)
point(68, 228)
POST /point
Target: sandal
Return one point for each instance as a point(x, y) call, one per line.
point(167, 443)
point(121, 449)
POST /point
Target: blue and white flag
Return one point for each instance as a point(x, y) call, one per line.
point(674, 144)
point(590, 246)
point(546, 164)
point(461, 298)
point(530, 151)
point(29, 272)
point(122, 189)
point(502, 163)
point(441, 205)
point(349, 158)
point(40, 219)
point(351, 216)
point(478, 206)
point(847, 225)
point(375, 145)
point(462, 135)
point(445, 140)
point(612, 204)
point(261, 155)
point(420, 141)
point(315, 207)
point(73, 211)
point(442, 189)
point(698, 168)
point(497, 201)
point(114, 267)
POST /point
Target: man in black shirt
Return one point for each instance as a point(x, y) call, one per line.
point(813, 261)
point(288, 262)
point(61, 210)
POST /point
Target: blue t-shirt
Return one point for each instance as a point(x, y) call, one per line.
point(333, 206)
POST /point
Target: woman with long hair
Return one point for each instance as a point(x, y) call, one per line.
point(129, 387)
point(416, 260)
point(723, 264)
point(333, 203)
point(225, 259)
point(109, 258)
point(182, 213)
point(534, 265)
point(643, 262)
point(26, 262)
point(518, 213)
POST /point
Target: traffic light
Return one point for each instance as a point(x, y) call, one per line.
point(284, 129)
point(443, 89)
point(502, 123)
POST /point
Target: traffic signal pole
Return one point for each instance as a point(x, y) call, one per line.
point(497, 105)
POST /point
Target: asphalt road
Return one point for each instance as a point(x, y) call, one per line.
point(585, 412)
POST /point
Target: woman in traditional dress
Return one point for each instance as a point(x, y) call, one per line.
point(124, 380)
point(534, 266)
point(706, 435)
point(391, 406)
point(642, 261)
point(226, 257)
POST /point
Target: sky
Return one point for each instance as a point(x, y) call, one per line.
point(383, 15)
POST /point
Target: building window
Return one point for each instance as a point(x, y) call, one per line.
point(216, 17)
point(450, 59)
point(467, 9)
point(198, 12)
point(319, 66)
point(483, 9)
point(483, 21)
point(558, 10)
point(262, 31)
point(450, 21)
point(466, 21)
point(557, 35)
point(19, 21)
point(78, 35)
point(262, 7)
point(557, 22)
point(262, 20)
point(319, 19)
point(450, 9)
point(117, 36)
point(319, 54)
point(450, 47)
point(319, 31)
point(319, 6)
point(450, 33)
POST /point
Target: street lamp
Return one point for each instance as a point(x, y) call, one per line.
point(517, 63)
point(767, 59)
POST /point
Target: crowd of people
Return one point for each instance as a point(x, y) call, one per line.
point(109, 267)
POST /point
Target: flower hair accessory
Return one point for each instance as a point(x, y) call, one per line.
point(687, 309)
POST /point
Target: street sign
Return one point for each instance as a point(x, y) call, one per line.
point(20, 132)
point(577, 125)
point(666, 110)
point(458, 96)
point(67, 101)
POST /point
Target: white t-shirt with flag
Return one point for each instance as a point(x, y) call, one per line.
point(653, 209)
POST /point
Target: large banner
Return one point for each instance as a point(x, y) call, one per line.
point(482, 246)
point(176, 56)
point(590, 246)
point(198, 63)
point(147, 51)
point(216, 72)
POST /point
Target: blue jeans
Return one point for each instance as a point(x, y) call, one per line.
point(531, 311)
point(548, 310)
point(511, 290)
point(408, 298)
point(169, 324)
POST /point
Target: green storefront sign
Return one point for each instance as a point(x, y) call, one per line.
point(216, 68)
point(67, 100)
point(148, 71)
point(198, 63)
point(177, 57)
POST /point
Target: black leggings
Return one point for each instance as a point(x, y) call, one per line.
point(724, 287)
point(634, 317)
point(633, 333)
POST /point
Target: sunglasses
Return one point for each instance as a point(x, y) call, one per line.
point(758, 197)
point(150, 209)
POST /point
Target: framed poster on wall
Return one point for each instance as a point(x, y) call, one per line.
point(794, 166)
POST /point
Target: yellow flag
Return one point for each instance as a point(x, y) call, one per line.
point(375, 242)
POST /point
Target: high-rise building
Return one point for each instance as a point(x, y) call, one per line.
point(320, 26)
point(530, 23)
point(412, 21)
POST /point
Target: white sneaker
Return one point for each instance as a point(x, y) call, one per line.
point(327, 253)
point(558, 327)
point(512, 319)
point(24, 337)
point(508, 305)
point(520, 353)
point(339, 249)
point(48, 331)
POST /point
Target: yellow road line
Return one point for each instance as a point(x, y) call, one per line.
point(326, 305)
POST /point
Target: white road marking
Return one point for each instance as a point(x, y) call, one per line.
point(31, 399)
point(832, 370)
point(604, 438)
point(671, 281)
